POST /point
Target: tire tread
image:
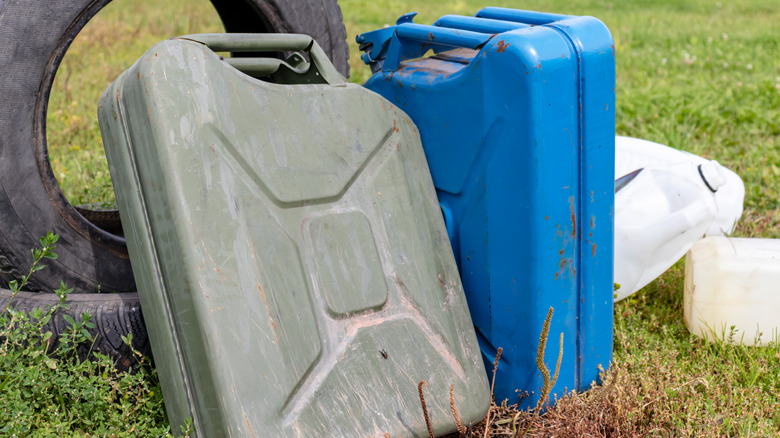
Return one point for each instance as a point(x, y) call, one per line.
point(114, 315)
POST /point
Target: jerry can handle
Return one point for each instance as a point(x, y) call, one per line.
point(478, 24)
point(385, 49)
point(432, 35)
point(532, 18)
point(270, 42)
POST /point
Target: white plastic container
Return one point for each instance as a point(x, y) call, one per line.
point(634, 153)
point(668, 206)
point(731, 282)
point(659, 215)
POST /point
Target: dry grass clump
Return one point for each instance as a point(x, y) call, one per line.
point(631, 404)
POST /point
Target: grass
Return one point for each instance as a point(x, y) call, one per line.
point(106, 47)
point(57, 388)
point(697, 75)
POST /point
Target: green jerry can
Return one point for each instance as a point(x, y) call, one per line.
point(292, 262)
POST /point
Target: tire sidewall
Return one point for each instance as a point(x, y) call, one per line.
point(35, 37)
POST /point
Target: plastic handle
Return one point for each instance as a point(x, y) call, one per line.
point(267, 42)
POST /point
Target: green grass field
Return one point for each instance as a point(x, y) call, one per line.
point(701, 76)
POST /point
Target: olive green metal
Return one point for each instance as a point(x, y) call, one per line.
point(292, 263)
point(294, 70)
point(262, 42)
point(259, 67)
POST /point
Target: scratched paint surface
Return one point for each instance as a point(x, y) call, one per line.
point(293, 266)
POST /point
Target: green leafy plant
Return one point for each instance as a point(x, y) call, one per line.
point(38, 254)
point(50, 390)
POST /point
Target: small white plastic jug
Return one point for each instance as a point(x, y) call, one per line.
point(733, 282)
point(665, 208)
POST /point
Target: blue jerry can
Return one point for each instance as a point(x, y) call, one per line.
point(516, 111)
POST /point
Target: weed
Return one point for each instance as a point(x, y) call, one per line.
point(425, 407)
point(548, 382)
point(48, 390)
point(461, 428)
point(499, 350)
point(45, 252)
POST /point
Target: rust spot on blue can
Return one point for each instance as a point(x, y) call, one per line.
point(573, 217)
point(573, 225)
point(502, 46)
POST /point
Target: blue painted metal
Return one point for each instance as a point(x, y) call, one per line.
point(532, 18)
point(518, 128)
point(484, 25)
point(386, 48)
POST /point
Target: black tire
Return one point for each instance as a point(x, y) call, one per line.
point(321, 19)
point(34, 37)
point(114, 316)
